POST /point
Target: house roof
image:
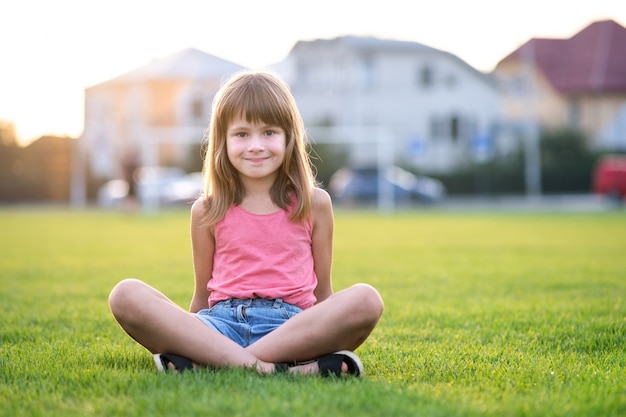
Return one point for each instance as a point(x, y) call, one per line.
point(370, 42)
point(367, 44)
point(593, 60)
point(187, 63)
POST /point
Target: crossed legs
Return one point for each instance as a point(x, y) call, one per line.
point(341, 322)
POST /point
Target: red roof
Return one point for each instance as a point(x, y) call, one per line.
point(593, 60)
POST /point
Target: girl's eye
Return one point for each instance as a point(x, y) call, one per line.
point(269, 132)
point(241, 134)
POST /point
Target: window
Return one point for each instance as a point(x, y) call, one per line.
point(426, 77)
point(573, 114)
point(368, 72)
point(455, 128)
point(517, 86)
point(437, 127)
point(197, 109)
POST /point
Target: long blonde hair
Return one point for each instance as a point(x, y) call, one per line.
point(259, 96)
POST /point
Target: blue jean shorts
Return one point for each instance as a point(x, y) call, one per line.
point(246, 321)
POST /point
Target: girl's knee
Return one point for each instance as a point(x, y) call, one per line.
point(123, 294)
point(369, 300)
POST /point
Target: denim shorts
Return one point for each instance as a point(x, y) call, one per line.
point(246, 321)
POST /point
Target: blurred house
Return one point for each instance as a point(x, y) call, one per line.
point(157, 112)
point(577, 83)
point(437, 111)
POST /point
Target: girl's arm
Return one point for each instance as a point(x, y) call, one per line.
point(203, 247)
point(322, 243)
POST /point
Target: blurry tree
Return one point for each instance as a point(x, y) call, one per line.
point(567, 166)
point(566, 162)
point(11, 161)
point(194, 161)
point(327, 158)
point(7, 133)
point(504, 174)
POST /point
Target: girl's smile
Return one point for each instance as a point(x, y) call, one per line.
point(256, 160)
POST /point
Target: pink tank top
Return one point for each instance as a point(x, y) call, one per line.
point(263, 256)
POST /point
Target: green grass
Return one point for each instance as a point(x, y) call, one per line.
point(487, 314)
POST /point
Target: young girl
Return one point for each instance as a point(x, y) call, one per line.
point(262, 237)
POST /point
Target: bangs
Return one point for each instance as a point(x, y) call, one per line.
point(258, 100)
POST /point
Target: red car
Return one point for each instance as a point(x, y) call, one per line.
point(610, 176)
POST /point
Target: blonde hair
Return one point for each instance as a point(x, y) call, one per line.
point(257, 96)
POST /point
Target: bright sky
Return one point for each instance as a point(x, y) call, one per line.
point(50, 51)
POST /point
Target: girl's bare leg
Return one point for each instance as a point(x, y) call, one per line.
point(161, 326)
point(343, 321)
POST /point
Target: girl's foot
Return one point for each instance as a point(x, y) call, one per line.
point(343, 362)
point(172, 363)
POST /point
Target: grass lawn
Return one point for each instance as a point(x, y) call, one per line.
point(487, 314)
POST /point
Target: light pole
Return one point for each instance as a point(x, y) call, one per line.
point(532, 148)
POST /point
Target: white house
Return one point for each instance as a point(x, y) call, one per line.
point(438, 110)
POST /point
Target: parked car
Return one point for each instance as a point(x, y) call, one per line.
point(165, 185)
point(183, 190)
point(609, 178)
point(361, 185)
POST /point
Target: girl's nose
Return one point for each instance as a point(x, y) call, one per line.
point(256, 143)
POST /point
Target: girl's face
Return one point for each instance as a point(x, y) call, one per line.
point(256, 150)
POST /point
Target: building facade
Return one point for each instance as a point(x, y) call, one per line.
point(436, 110)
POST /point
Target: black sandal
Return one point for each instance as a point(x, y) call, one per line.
point(181, 364)
point(330, 365)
